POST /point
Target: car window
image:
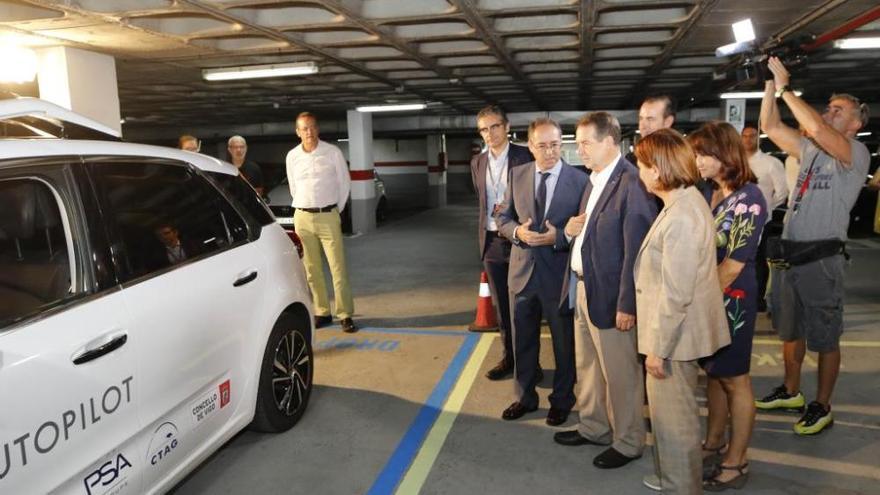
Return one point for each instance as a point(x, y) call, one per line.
point(238, 189)
point(35, 268)
point(163, 215)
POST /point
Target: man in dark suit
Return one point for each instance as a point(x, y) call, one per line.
point(490, 171)
point(540, 199)
point(615, 214)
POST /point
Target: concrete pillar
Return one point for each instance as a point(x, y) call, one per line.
point(436, 148)
point(360, 158)
point(81, 81)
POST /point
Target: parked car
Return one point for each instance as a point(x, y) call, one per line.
point(150, 308)
point(280, 204)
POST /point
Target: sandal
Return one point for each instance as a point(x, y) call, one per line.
point(737, 482)
point(711, 461)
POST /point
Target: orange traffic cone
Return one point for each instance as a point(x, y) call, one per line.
point(485, 320)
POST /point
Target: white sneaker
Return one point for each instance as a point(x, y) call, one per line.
point(652, 481)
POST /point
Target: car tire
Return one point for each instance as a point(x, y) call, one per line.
point(283, 393)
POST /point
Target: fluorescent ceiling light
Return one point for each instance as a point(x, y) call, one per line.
point(392, 108)
point(743, 31)
point(19, 64)
point(748, 95)
point(259, 71)
point(863, 134)
point(857, 43)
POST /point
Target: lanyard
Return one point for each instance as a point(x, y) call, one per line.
point(496, 180)
point(804, 186)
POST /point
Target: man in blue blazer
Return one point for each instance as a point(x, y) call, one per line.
point(615, 214)
point(490, 171)
point(540, 199)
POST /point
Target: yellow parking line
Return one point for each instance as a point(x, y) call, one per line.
point(848, 343)
point(424, 461)
point(845, 343)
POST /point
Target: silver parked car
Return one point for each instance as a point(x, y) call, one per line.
point(280, 204)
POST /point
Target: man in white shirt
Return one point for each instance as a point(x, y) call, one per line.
point(319, 185)
point(772, 183)
point(769, 170)
point(616, 213)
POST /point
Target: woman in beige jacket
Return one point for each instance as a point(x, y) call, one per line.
point(678, 305)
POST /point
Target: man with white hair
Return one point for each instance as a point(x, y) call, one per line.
point(237, 148)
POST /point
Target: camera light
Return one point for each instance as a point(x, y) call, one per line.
point(857, 43)
point(743, 31)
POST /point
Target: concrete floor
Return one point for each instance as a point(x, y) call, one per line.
point(403, 405)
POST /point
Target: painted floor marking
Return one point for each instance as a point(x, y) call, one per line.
point(427, 455)
point(414, 437)
point(848, 343)
point(408, 331)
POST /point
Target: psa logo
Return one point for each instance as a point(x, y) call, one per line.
point(224, 394)
point(163, 443)
point(110, 472)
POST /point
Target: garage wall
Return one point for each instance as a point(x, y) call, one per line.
point(401, 163)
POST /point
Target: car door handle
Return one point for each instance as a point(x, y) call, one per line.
point(92, 354)
point(250, 277)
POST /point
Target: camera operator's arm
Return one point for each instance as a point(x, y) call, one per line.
point(788, 139)
point(833, 142)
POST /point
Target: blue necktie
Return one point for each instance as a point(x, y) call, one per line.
point(540, 203)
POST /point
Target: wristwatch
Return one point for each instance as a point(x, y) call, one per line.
point(782, 90)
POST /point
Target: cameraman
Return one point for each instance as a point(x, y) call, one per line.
point(808, 280)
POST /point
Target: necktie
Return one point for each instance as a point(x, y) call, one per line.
point(540, 203)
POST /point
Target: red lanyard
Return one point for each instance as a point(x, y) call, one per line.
point(805, 185)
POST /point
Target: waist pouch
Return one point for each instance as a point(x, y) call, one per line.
point(783, 254)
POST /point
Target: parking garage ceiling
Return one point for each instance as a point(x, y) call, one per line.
point(458, 55)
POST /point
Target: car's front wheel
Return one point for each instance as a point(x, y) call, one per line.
point(285, 377)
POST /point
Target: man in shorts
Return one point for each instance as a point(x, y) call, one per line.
point(807, 296)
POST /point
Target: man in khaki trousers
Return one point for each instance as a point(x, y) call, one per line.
point(615, 213)
point(319, 185)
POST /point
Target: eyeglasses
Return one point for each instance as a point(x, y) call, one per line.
point(544, 147)
point(491, 128)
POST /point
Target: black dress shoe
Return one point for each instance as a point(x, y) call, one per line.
point(611, 459)
point(557, 416)
point(504, 369)
point(348, 325)
point(321, 321)
point(572, 438)
point(516, 411)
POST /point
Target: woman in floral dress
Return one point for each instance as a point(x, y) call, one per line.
point(740, 212)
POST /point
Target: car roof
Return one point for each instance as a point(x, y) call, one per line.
point(28, 148)
point(23, 108)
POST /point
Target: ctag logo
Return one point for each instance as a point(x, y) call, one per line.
point(163, 443)
point(224, 394)
point(109, 472)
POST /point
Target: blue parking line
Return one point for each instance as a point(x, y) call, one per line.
point(409, 445)
point(410, 331)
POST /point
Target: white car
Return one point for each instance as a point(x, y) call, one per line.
point(150, 308)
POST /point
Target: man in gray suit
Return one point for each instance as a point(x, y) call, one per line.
point(539, 201)
point(615, 214)
point(489, 172)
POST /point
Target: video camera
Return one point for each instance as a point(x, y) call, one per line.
point(752, 69)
